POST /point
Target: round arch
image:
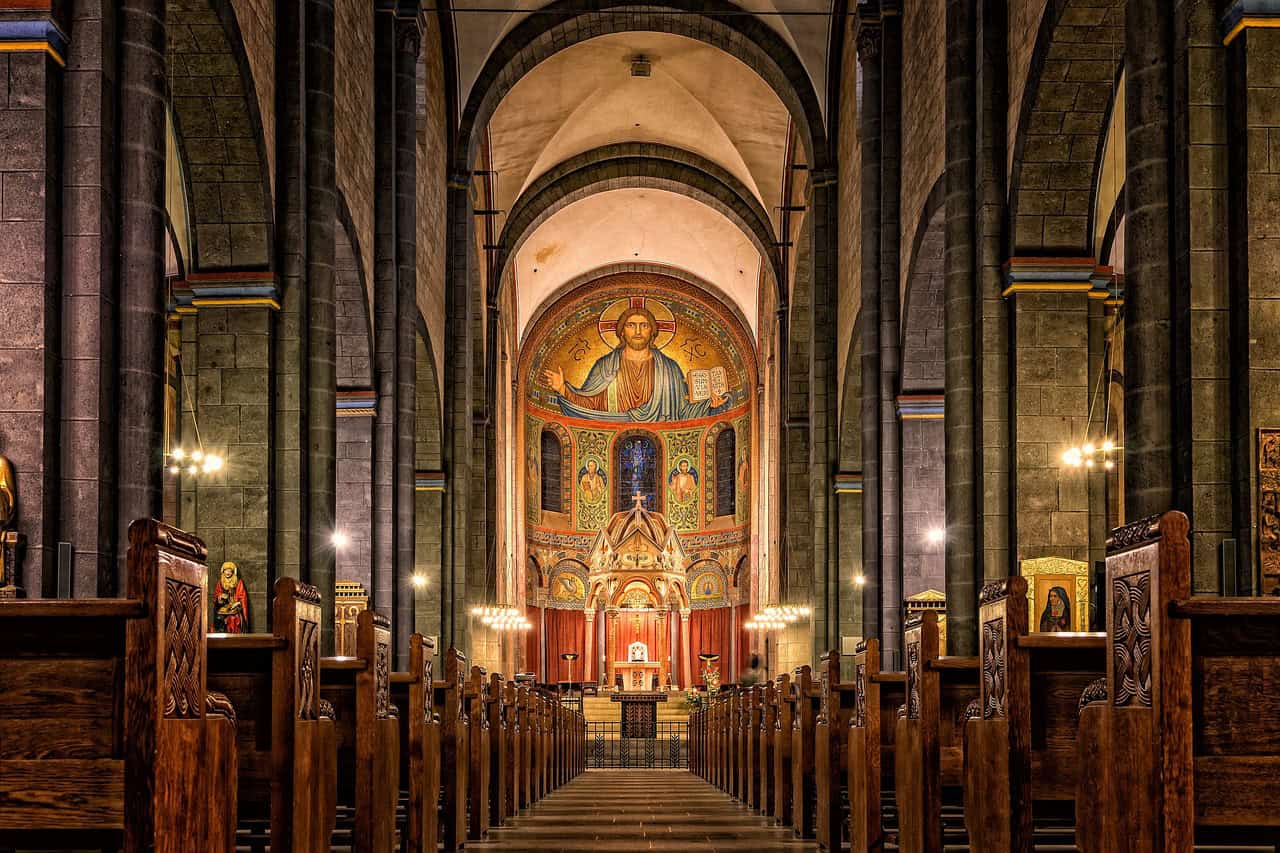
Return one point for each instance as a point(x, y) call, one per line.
point(924, 300)
point(636, 166)
point(721, 24)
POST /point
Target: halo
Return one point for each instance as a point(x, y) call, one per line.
point(608, 323)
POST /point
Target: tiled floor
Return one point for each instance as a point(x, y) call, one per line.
point(633, 810)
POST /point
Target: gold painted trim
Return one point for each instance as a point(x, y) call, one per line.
point(922, 416)
point(30, 46)
point(428, 488)
point(237, 302)
point(356, 413)
point(185, 309)
point(1048, 287)
point(1249, 22)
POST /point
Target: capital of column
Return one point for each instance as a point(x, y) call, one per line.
point(868, 35)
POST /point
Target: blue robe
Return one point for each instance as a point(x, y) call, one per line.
point(667, 403)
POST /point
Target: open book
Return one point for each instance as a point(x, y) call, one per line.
point(705, 384)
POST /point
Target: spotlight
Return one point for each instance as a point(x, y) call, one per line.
point(193, 470)
point(1108, 446)
point(860, 579)
point(420, 581)
point(936, 535)
point(174, 469)
point(197, 455)
point(177, 453)
point(339, 539)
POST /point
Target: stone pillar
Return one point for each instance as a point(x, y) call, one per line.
point(661, 651)
point(992, 379)
point(686, 665)
point(823, 406)
point(890, 330)
point(869, 57)
point(408, 44)
point(289, 370)
point(962, 450)
point(588, 643)
point(31, 280)
point(140, 402)
point(89, 411)
point(1253, 120)
point(322, 374)
point(610, 641)
point(385, 274)
point(1152, 469)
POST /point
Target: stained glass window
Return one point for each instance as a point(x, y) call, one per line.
point(637, 467)
point(552, 473)
point(726, 482)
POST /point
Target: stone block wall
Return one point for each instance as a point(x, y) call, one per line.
point(1052, 385)
point(257, 22)
point(353, 120)
point(923, 506)
point(30, 279)
point(227, 365)
point(924, 120)
point(1024, 27)
point(432, 185)
point(850, 215)
point(355, 498)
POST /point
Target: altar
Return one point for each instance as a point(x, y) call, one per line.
point(638, 675)
point(640, 712)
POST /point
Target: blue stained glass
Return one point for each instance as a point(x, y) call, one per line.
point(637, 472)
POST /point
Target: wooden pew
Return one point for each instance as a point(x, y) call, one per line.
point(368, 734)
point(804, 791)
point(929, 752)
point(1021, 749)
point(782, 724)
point(454, 750)
point(105, 734)
point(751, 748)
point(872, 734)
point(413, 694)
point(512, 759)
point(499, 749)
point(220, 747)
point(475, 695)
point(768, 746)
point(831, 752)
point(525, 721)
point(274, 681)
point(1187, 744)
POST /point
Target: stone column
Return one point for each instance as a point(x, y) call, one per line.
point(408, 44)
point(962, 451)
point(89, 411)
point(991, 380)
point(1253, 125)
point(610, 641)
point(384, 307)
point(588, 643)
point(661, 651)
point(1152, 470)
point(322, 374)
point(869, 57)
point(289, 368)
point(686, 665)
point(140, 401)
point(890, 330)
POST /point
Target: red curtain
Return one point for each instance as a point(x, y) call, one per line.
point(745, 641)
point(565, 633)
point(709, 633)
point(632, 627)
point(533, 642)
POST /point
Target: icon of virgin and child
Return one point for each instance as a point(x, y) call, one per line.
point(635, 381)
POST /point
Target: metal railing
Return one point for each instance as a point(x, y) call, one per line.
point(608, 749)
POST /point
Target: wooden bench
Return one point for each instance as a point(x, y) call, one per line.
point(1186, 747)
point(782, 724)
point(804, 791)
point(106, 736)
point(748, 726)
point(1021, 750)
point(368, 734)
point(872, 734)
point(830, 752)
point(475, 695)
point(273, 680)
point(413, 694)
point(454, 750)
point(929, 743)
point(499, 749)
point(768, 746)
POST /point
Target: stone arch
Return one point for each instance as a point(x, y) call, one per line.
point(566, 465)
point(220, 137)
point(1062, 125)
point(719, 23)
point(850, 435)
point(924, 301)
point(636, 165)
point(710, 469)
point(354, 424)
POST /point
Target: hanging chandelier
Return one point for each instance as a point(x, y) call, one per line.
point(776, 618)
point(501, 618)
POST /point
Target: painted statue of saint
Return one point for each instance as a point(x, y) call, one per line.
point(1056, 616)
point(230, 602)
point(8, 500)
point(633, 382)
point(683, 482)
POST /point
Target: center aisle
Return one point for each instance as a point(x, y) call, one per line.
point(625, 810)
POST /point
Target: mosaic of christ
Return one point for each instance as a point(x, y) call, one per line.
point(636, 379)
